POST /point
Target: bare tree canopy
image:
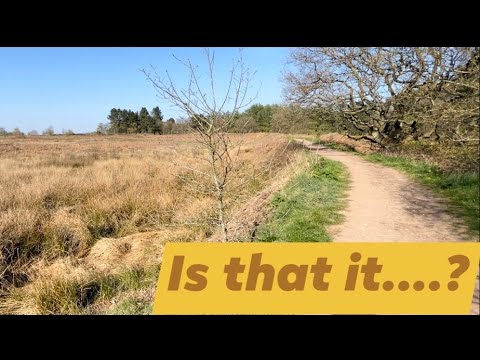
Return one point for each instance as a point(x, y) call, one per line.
point(388, 94)
point(212, 115)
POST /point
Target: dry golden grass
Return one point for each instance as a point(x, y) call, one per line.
point(70, 208)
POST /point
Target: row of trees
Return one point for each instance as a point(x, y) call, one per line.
point(289, 118)
point(122, 121)
point(48, 131)
point(257, 118)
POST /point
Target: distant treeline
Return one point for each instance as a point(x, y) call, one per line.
point(258, 118)
point(48, 132)
point(123, 121)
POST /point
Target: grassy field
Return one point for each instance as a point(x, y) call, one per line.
point(83, 218)
point(308, 204)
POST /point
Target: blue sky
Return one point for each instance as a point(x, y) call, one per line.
point(75, 88)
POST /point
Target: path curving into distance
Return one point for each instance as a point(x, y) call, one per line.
point(385, 205)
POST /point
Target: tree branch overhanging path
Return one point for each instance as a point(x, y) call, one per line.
point(211, 117)
point(386, 95)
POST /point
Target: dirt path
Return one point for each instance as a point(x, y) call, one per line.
point(385, 205)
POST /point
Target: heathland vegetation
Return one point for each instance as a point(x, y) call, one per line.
point(64, 199)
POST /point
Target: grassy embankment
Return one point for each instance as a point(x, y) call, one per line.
point(309, 203)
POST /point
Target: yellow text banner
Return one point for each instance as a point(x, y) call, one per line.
point(317, 278)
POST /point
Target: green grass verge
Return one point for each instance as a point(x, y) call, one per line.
point(460, 189)
point(308, 204)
